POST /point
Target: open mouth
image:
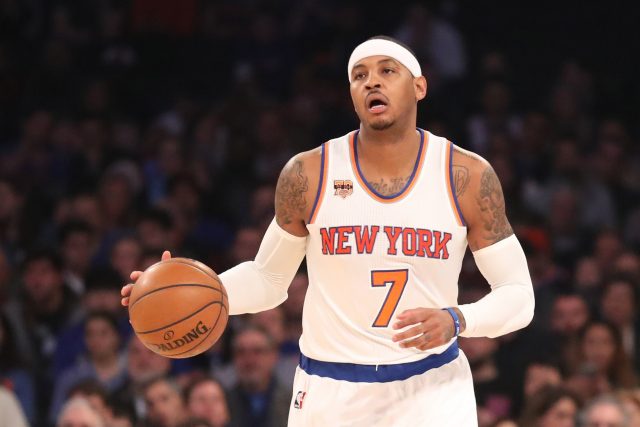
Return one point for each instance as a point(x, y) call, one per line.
point(377, 103)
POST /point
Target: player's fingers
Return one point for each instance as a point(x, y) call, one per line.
point(411, 317)
point(418, 342)
point(135, 275)
point(166, 255)
point(126, 290)
point(409, 333)
point(125, 301)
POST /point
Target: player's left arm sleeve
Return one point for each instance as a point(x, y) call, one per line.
point(262, 284)
point(510, 304)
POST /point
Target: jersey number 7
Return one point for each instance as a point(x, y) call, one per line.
point(397, 279)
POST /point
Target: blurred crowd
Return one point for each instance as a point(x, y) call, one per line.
point(132, 126)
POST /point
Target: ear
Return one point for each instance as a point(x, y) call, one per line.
point(420, 87)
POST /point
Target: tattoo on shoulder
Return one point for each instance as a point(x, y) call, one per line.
point(492, 209)
point(387, 188)
point(290, 193)
point(460, 179)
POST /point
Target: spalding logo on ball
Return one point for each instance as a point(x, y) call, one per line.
point(178, 308)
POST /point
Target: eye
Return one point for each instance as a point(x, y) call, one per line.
point(358, 76)
point(388, 70)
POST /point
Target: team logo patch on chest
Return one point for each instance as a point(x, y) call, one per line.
point(343, 187)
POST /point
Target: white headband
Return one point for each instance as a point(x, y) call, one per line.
point(384, 47)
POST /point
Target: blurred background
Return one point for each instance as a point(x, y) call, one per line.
point(132, 126)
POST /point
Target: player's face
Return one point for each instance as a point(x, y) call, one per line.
point(383, 90)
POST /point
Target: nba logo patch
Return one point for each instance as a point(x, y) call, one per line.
point(343, 187)
point(299, 399)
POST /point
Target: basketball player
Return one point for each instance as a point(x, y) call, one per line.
point(384, 215)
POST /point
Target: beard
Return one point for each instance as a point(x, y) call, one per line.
point(381, 124)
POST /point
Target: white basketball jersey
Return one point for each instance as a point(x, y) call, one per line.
point(370, 257)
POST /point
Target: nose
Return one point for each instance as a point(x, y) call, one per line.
point(372, 82)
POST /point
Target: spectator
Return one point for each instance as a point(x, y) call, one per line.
point(103, 362)
point(125, 256)
point(142, 366)
point(78, 246)
point(78, 412)
point(155, 229)
point(550, 407)
point(257, 399)
point(618, 305)
point(165, 404)
point(102, 293)
point(605, 410)
point(95, 394)
point(602, 363)
point(206, 400)
point(45, 309)
point(569, 315)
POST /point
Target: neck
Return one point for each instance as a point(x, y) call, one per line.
point(391, 152)
point(392, 136)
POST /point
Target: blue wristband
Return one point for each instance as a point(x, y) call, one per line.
point(456, 320)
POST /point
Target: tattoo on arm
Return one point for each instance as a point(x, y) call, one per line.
point(460, 179)
point(290, 193)
point(388, 188)
point(492, 211)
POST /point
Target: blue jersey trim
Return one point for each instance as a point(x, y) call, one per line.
point(377, 373)
point(320, 184)
point(409, 181)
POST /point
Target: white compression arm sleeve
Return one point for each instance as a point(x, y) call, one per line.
point(262, 284)
point(509, 306)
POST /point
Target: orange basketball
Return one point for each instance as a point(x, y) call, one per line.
point(178, 308)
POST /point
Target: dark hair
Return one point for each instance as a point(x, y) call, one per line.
point(163, 378)
point(43, 254)
point(197, 382)
point(158, 216)
point(396, 41)
point(256, 328)
point(89, 387)
point(542, 401)
point(72, 227)
point(107, 317)
point(103, 278)
point(620, 371)
point(618, 278)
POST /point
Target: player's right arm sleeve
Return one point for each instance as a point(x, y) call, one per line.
point(262, 284)
point(510, 304)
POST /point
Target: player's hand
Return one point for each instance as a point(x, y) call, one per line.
point(134, 276)
point(430, 327)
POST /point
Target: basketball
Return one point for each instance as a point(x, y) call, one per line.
point(178, 308)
